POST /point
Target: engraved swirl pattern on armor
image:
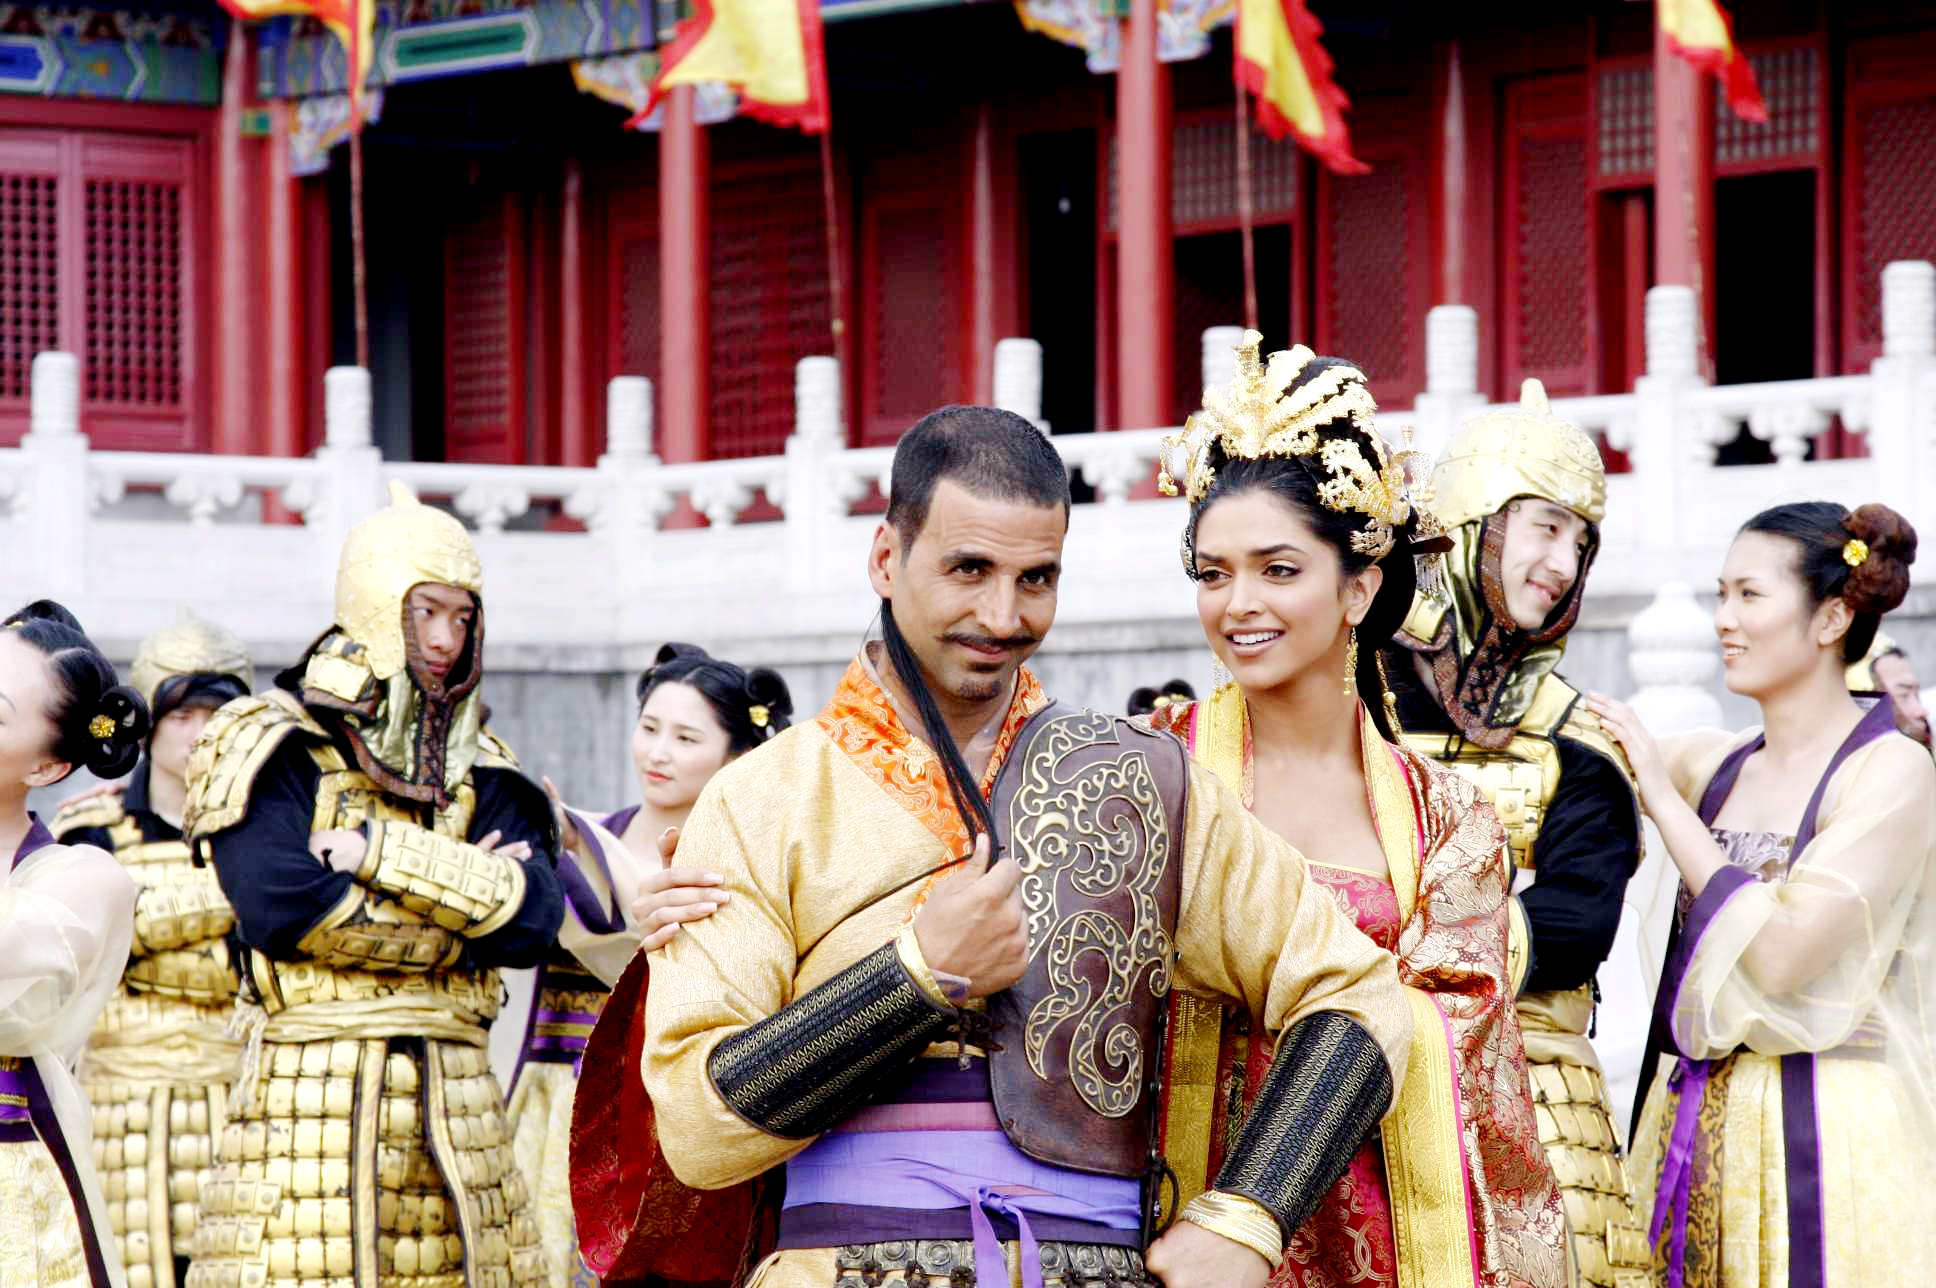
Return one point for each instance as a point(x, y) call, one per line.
point(1102, 828)
point(952, 1262)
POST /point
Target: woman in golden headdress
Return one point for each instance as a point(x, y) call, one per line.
point(1301, 541)
point(1791, 1142)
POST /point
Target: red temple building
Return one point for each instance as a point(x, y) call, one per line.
point(174, 209)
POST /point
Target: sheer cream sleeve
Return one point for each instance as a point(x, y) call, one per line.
point(1692, 758)
point(1802, 964)
point(66, 921)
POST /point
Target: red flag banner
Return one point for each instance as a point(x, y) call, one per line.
point(1280, 60)
point(353, 22)
point(1701, 32)
point(771, 51)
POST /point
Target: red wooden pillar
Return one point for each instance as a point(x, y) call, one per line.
point(580, 445)
point(1145, 266)
point(685, 331)
point(1452, 213)
point(981, 242)
point(1684, 186)
point(235, 324)
point(282, 325)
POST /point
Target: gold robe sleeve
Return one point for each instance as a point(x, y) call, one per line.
point(1804, 962)
point(1254, 927)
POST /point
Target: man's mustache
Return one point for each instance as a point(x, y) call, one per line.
point(993, 641)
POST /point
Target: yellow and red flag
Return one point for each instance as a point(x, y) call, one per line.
point(353, 22)
point(771, 51)
point(1701, 32)
point(1280, 60)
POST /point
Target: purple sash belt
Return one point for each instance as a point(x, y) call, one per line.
point(1801, 1134)
point(15, 1091)
point(977, 1170)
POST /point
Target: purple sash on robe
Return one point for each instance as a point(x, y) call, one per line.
point(34, 1116)
point(1801, 1134)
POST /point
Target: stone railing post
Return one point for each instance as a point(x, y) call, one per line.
point(1673, 656)
point(817, 500)
point(56, 495)
point(623, 506)
point(1670, 453)
point(1018, 379)
point(1902, 394)
point(1451, 377)
point(1220, 355)
point(351, 487)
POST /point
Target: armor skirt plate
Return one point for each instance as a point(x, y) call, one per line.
point(367, 1163)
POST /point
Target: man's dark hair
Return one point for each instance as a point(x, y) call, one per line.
point(986, 450)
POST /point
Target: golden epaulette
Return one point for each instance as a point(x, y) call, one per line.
point(101, 811)
point(493, 752)
point(232, 750)
point(1583, 727)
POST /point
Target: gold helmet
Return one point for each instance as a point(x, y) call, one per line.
point(1860, 674)
point(404, 545)
point(1511, 452)
point(189, 647)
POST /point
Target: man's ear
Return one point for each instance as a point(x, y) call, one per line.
point(884, 559)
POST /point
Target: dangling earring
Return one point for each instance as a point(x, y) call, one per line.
point(1384, 688)
point(1351, 662)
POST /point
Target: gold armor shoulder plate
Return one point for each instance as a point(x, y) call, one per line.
point(493, 752)
point(232, 750)
point(95, 811)
point(1519, 779)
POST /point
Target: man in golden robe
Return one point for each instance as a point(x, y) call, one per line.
point(1522, 493)
point(931, 997)
point(384, 858)
point(158, 1065)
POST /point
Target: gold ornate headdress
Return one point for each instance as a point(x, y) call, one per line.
point(1254, 417)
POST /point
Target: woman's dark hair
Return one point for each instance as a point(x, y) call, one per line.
point(1875, 584)
point(1294, 480)
point(100, 723)
point(1142, 700)
point(751, 706)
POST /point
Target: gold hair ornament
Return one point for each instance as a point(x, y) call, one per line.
point(759, 715)
point(1163, 702)
point(1254, 417)
point(102, 727)
point(1855, 552)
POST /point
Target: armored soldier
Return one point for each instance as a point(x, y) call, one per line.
point(159, 1064)
point(384, 857)
point(1522, 493)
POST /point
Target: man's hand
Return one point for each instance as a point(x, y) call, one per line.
point(339, 848)
point(971, 926)
point(567, 834)
point(1189, 1256)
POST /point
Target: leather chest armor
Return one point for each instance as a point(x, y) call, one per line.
point(1092, 809)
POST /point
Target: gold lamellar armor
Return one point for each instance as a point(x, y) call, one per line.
point(1518, 451)
point(189, 647)
point(404, 545)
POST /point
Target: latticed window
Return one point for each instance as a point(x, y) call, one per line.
point(1547, 268)
point(484, 359)
point(1890, 161)
point(95, 259)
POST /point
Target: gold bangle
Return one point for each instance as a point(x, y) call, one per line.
point(1240, 1220)
point(908, 948)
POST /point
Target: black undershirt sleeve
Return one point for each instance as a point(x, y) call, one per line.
point(512, 805)
point(1587, 849)
point(276, 886)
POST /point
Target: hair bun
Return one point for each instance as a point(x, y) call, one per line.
point(765, 688)
point(1880, 582)
point(46, 610)
point(114, 744)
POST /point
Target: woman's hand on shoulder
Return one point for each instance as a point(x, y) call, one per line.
point(1643, 753)
point(671, 896)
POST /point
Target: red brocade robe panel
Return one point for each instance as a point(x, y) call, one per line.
point(1456, 1189)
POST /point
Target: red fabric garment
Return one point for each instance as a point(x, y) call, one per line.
point(636, 1223)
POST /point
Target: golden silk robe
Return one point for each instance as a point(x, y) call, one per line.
point(1472, 1198)
point(832, 813)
